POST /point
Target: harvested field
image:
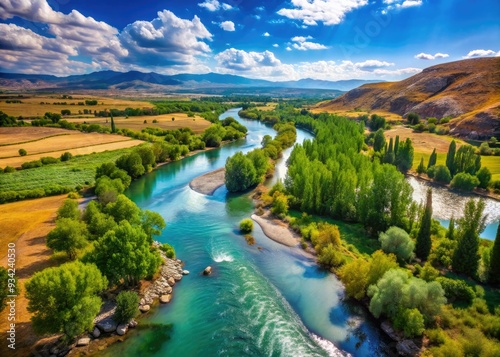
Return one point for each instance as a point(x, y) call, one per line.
point(196, 123)
point(18, 135)
point(354, 114)
point(423, 142)
point(26, 223)
point(31, 105)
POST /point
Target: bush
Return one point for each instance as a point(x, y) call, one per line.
point(464, 181)
point(246, 225)
point(9, 169)
point(396, 240)
point(413, 118)
point(127, 306)
point(23, 152)
point(431, 127)
point(456, 290)
point(484, 177)
point(494, 185)
point(66, 156)
point(410, 321)
point(485, 149)
point(169, 250)
point(330, 256)
point(47, 160)
point(31, 164)
point(442, 174)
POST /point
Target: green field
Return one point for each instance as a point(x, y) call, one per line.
point(80, 170)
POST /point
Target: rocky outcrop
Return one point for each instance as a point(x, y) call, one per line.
point(107, 325)
point(407, 348)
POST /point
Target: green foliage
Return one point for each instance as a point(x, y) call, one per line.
point(450, 234)
point(432, 159)
point(484, 177)
point(494, 272)
point(466, 256)
point(330, 256)
point(466, 160)
point(124, 255)
point(379, 140)
point(107, 189)
point(354, 276)
point(442, 174)
point(127, 306)
point(240, 173)
point(66, 156)
point(280, 204)
point(443, 253)
point(456, 290)
point(421, 167)
point(113, 126)
point(69, 236)
point(424, 242)
point(98, 223)
point(152, 223)
point(23, 152)
point(168, 250)
point(9, 169)
point(410, 321)
point(428, 272)
point(123, 209)
point(450, 158)
point(395, 240)
point(404, 156)
point(464, 181)
point(413, 118)
point(132, 163)
point(31, 164)
point(376, 122)
point(246, 225)
point(4, 287)
point(69, 209)
point(64, 299)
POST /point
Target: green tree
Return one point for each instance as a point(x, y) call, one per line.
point(64, 299)
point(379, 265)
point(450, 234)
point(66, 156)
point(387, 294)
point(484, 177)
point(98, 223)
point(413, 118)
point(113, 127)
point(432, 159)
point(69, 209)
point(354, 276)
point(23, 152)
point(246, 225)
point(464, 181)
point(127, 306)
point(260, 162)
point(410, 321)
point(123, 209)
point(421, 167)
point(424, 242)
point(240, 173)
point(450, 158)
point(494, 273)
point(395, 240)
point(131, 163)
point(280, 204)
point(124, 255)
point(69, 236)
point(404, 157)
point(442, 174)
point(466, 256)
point(466, 160)
point(396, 145)
point(379, 140)
point(152, 224)
point(389, 156)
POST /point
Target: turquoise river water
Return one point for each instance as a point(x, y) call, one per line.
point(261, 300)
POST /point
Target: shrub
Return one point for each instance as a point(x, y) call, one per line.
point(246, 225)
point(413, 118)
point(456, 290)
point(485, 149)
point(432, 120)
point(484, 177)
point(23, 152)
point(330, 256)
point(431, 127)
point(494, 185)
point(31, 164)
point(168, 249)
point(396, 240)
point(47, 160)
point(9, 169)
point(442, 174)
point(410, 321)
point(66, 156)
point(464, 181)
point(127, 306)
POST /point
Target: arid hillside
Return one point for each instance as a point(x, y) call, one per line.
point(468, 91)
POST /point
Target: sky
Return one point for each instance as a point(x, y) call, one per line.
point(273, 40)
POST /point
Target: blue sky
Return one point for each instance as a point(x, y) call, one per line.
point(275, 40)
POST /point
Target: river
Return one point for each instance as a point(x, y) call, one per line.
point(261, 300)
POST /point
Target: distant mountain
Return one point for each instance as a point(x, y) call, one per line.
point(135, 80)
point(467, 90)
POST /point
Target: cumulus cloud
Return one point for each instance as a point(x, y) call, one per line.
point(482, 53)
point(328, 12)
point(429, 57)
point(240, 60)
point(266, 34)
point(373, 64)
point(301, 44)
point(227, 25)
point(276, 45)
point(214, 5)
point(401, 4)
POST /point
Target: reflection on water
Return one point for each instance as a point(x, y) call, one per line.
point(446, 204)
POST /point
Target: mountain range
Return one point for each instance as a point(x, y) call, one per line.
point(135, 80)
point(468, 91)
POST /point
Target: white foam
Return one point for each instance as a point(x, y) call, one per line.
point(329, 347)
point(222, 257)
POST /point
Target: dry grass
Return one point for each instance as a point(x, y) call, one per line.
point(354, 114)
point(14, 135)
point(26, 223)
point(423, 142)
point(31, 107)
point(197, 123)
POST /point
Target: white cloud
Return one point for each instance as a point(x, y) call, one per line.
point(482, 53)
point(329, 12)
point(429, 57)
point(240, 60)
point(266, 34)
point(372, 64)
point(227, 25)
point(276, 45)
point(288, 48)
point(302, 44)
point(214, 5)
point(401, 4)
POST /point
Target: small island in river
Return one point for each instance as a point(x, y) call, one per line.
point(208, 183)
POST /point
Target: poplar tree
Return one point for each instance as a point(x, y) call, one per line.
point(450, 158)
point(396, 145)
point(389, 156)
point(421, 167)
point(424, 242)
point(432, 159)
point(451, 229)
point(494, 275)
point(113, 127)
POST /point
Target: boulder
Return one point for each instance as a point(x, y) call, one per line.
point(144, 308)
point(207, 271)
point(107, 325)
point(177, 277)
point(142, 302)
point(165, 299)
point(83, 342)
point(171, 281)
point(132, 324)
point(407, 348)
point(96, 333)
point(185, 272)
point(168, 290)
point(122, 329)
point(389, 330)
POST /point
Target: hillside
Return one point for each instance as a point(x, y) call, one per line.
point(467, 90)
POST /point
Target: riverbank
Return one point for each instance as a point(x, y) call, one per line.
point(208, 183)
point(277, 230)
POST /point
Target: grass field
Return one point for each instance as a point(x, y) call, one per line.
point(25, 223)
point(354, 114)
point(80, 170)
point(31, 105)
point(197, 123)
point(54, 143)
